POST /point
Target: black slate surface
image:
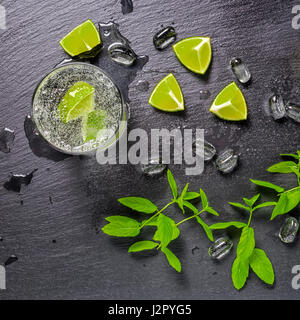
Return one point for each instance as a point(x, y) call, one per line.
point(68, 200)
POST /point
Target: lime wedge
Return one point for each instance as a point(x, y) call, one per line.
point(92, 123)
point(78, 101)
point(194, 53)
point(82, 40)
point(230, 104)
point(167, 95)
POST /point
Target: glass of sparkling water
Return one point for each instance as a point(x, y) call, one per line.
point(67, 137)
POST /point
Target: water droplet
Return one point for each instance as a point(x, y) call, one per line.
point(11, 260)
point(163, 38)
point(154, 167)
point(17, 180)
point(227, 161)
point(289, 229)
point(127, 6)
point(293, 111)
point(277, 106)
point(143, 86)
point(7, 138)
point(204, 94)
point(122, 54)
point(194, 249)
point(240, 70)
point(38, 145)
point(209, 149)
point(220, 248)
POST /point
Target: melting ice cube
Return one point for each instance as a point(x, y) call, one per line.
point(289, 229)
point(293, 111)
point(240, 70)
point(154, 167)
point(209, 149)
point(227, 161)
point(7, 138)
point(122, 54)
point(220, 248)
point(163, 38)
point(277, 106)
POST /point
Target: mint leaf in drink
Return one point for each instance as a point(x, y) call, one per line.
point(225, 225)
point(282, 167)
point(205, 228)
point(191, 195)
point(267, 185)
point(239, 205)
point(212, 211)
point(262, 266)
point(246, 244)
point(164, 230)
point(142, 245)
point(240, 272)
point(203, 199)
point(138, 204)
point(265, 204)
point(120, 226)
point(172, 184)
point(172, 259)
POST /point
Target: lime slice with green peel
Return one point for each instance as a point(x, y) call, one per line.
point(230, 104)
point(81, 40)
point(78, 101)
point(194, 53)
point(167, 95)
point(92, 123)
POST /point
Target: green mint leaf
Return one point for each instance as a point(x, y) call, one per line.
point(138, 204)
point(120, 226)
point(175, 231)
point(191, 195)
point(164, 230)
point(239, 205)
point(265, 204)
point(246, 244)
point(282, 167)
point(180, 204)
point(172, 259)
point(203, 199)
point(184, 191)
point(250, 202)
point(239, 272)
point(190, 206)
point(267, 185)
point(262, 266)
point(296, 156)
point(151, 222)
point(224, 225)
point(172, 184)
point(205, 228)
point(296, 171)
point(142, 245)
point(287, 202)
point(212, 211)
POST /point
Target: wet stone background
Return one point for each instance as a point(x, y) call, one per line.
point(51, 228)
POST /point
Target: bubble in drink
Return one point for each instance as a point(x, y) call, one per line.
point(163, 38)
point(293, 111)
point(277, 106)
point(240, 70)
point(220, 248)
point(289, 229)
point(122, 54)
point(227, 161)
point(209, 149)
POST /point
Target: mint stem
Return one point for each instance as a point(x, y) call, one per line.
point(191, 217)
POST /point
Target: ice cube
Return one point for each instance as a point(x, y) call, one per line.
point(227, 161)
point(289, 229)
point(293, 111)
point(122, 54)
point(163, 38)
point(7, 138)
point(220, 248)
point(154, 167)
point(240, 70)
point(209, 149)
point(277, 106)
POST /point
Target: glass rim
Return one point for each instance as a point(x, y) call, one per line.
point(118, 131)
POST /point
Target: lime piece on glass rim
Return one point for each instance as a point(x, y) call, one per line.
point(82, 41)
point(78, 101)
point(92, 123)
point(230, 104)
point(194, 53)
point(167, 95)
